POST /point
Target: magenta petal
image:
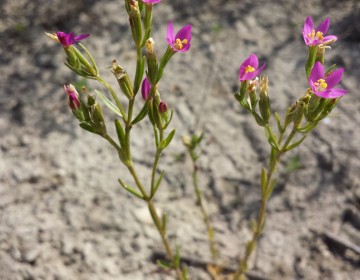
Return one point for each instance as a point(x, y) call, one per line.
point(317, 72)
point(170, 37)
point(334, 78)
point(248, 76)
point(324, 26)
point(145, 89)
point(337, 92)
point(151, 1)
point(332, 93)
point(308, 26)
point(81, 37)
point(184, 33)
point(329, 39)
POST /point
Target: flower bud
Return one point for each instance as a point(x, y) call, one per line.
point(73, 97)
point(162, 107)
point(135, 23)
point(264, 102)
point(123, 79)
point(145, 89)
point(151, 60)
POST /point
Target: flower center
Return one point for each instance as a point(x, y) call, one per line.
point(249, 69)
point(320, 84)
point(180, 44)
point(316, 35)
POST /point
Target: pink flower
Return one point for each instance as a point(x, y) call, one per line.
point(145, 89)
point(69, 39)
point(248, 69)
point(324, 86)
point(181, 41)
point(151, 1)
point(73, 97)
point(317, 36)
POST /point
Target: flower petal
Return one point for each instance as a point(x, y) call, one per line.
point(328, 39)
point(170, 37)
point(184, 33)
point(317, 72)
point(334, 78)
point(81, 37)
point(308, 27)
point(324, 26)
point(331, 93)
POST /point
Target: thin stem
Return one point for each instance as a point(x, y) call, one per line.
point(156, 161)
point(137, 181)
point(162, 231)
point(112, 142)
point(209, 227)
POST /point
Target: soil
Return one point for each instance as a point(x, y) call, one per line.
point(63, 214)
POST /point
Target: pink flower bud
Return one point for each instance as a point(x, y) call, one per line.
point(73, 97)
point(162, 107)
point(145, 89)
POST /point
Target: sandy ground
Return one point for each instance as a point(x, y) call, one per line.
point(62, 213)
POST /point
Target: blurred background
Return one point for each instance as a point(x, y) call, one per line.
point(62, 213)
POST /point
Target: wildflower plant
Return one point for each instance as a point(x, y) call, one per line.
point(299, 119)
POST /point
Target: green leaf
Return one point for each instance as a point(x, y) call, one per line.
point(271, 188)
point(271, 137)
point(297, 143)
point(157, 184)
point(259, 120)
point(142, 114)
point(165, 264)
point(87, 126)
point(121, 133)
point(108, 103)
point(278, 122)
point(164, 143)
point(263, 180)
point(140, 65)
point(164, 222)
point(168, 122)
point(130, 189)
point(307, 128)
point(177, 256)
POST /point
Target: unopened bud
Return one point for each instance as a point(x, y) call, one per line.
point(145, 89)
point(264, 102)
point(162, 107)
point(123, 79)
point(151, 60)
point(73, 97)
point(135, 23)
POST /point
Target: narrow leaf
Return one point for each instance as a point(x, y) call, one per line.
point(164, 222)
point(297, 143)
point(271, 188)
point(108, 103)
point(263, 181)
point(278, 122)
point(164, 143)
point(87, 126)
point(157, 184)
point(164, 264)
point(142, 114)
point(130, 189)
point(121, 133)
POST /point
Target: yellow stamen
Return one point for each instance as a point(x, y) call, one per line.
point(316, 36)
point(249, 69)
point(321, 83)
point(179, 44)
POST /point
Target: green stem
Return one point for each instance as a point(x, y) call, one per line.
point(240, 274)
point(250, 246)
point(209, 227)
point(156, 160)
point(162, 231)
